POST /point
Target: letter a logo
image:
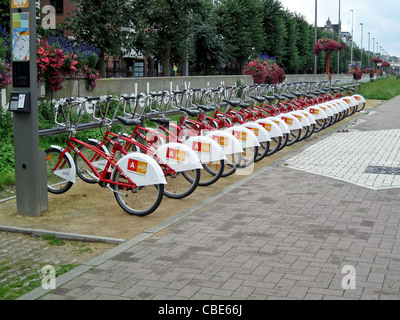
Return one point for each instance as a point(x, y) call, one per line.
point(349, 281)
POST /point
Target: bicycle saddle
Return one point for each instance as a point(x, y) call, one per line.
point(128, 122)
point(232, 103)
point(206, 108)
point(269, 98)
point(258, 99)
point(191, 112)
point(244, 105)
point(162, 121)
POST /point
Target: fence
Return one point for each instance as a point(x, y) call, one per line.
point(77, 88)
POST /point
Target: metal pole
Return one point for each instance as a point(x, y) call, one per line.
point(339, 40)
point(352, 36)
point(362, 50)
point(316, 35)
point(30, 164)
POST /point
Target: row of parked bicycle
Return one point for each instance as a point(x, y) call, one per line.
point(197, 136)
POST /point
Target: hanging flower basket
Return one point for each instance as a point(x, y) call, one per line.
point(356, 72)
point(370, 71)
point(265, 70)
point(328, 46)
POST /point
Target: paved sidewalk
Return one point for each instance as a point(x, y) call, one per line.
point(281, 233)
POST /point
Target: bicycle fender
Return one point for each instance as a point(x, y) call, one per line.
point(282, 125)
point(245, 136)
point(292, 122)
point(327, 110)
point(332, 107)
point(301, 117)
point(338, 105)
point(272, 128)
point(142, 169)
point(359, 98)
point(317, 112)
point(179, 157)
point(206, 149)
point(228, 143)
point(351, 102)
point(260, 132)
point(308, 115)
point(67, 174)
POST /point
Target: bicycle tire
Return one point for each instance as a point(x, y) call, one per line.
point(304, 133)
point(262, 151)
point(82, 168)
point(320, 124)
point(55, 183)
point(248, 157)
point(231, 164)
point(142, 200)
point(274, 145)
point(181, 184)
point(293, 136)
point(211, 173)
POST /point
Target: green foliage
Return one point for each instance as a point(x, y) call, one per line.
point(5, 13)
point(381, 89)
point(241, 25)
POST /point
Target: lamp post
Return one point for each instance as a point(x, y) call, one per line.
point(352, 37)
point(339, 40)
point(369, 43)
point(362, 50)
point(316, 35)
point(373, 44)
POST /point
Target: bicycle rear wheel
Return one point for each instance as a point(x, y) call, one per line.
point(293, 137)
point(140, 201)
point(274, 145)
point(181, 184)
point(211, 173)
point(262, 151)
point(56, 183)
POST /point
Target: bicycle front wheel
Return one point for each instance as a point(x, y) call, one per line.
point(57, 182)
point(140, 201)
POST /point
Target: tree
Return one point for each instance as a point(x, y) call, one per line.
point(104, 25)
point(164, 29)
point(5, 14)
point(240, 22)
point(291, 59)
point(274, 29)
point(210, 50)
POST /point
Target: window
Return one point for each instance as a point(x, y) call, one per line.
point(58, 4)
point(138, 69)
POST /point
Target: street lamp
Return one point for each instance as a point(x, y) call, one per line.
point(369, 43)
point(352, 41)
point(316, 35)
point(339, 40)
point(373, 44)
point(362, 50)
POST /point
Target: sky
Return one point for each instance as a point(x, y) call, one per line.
point(379, 18)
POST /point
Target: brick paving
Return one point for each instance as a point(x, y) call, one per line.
point(282, 233)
